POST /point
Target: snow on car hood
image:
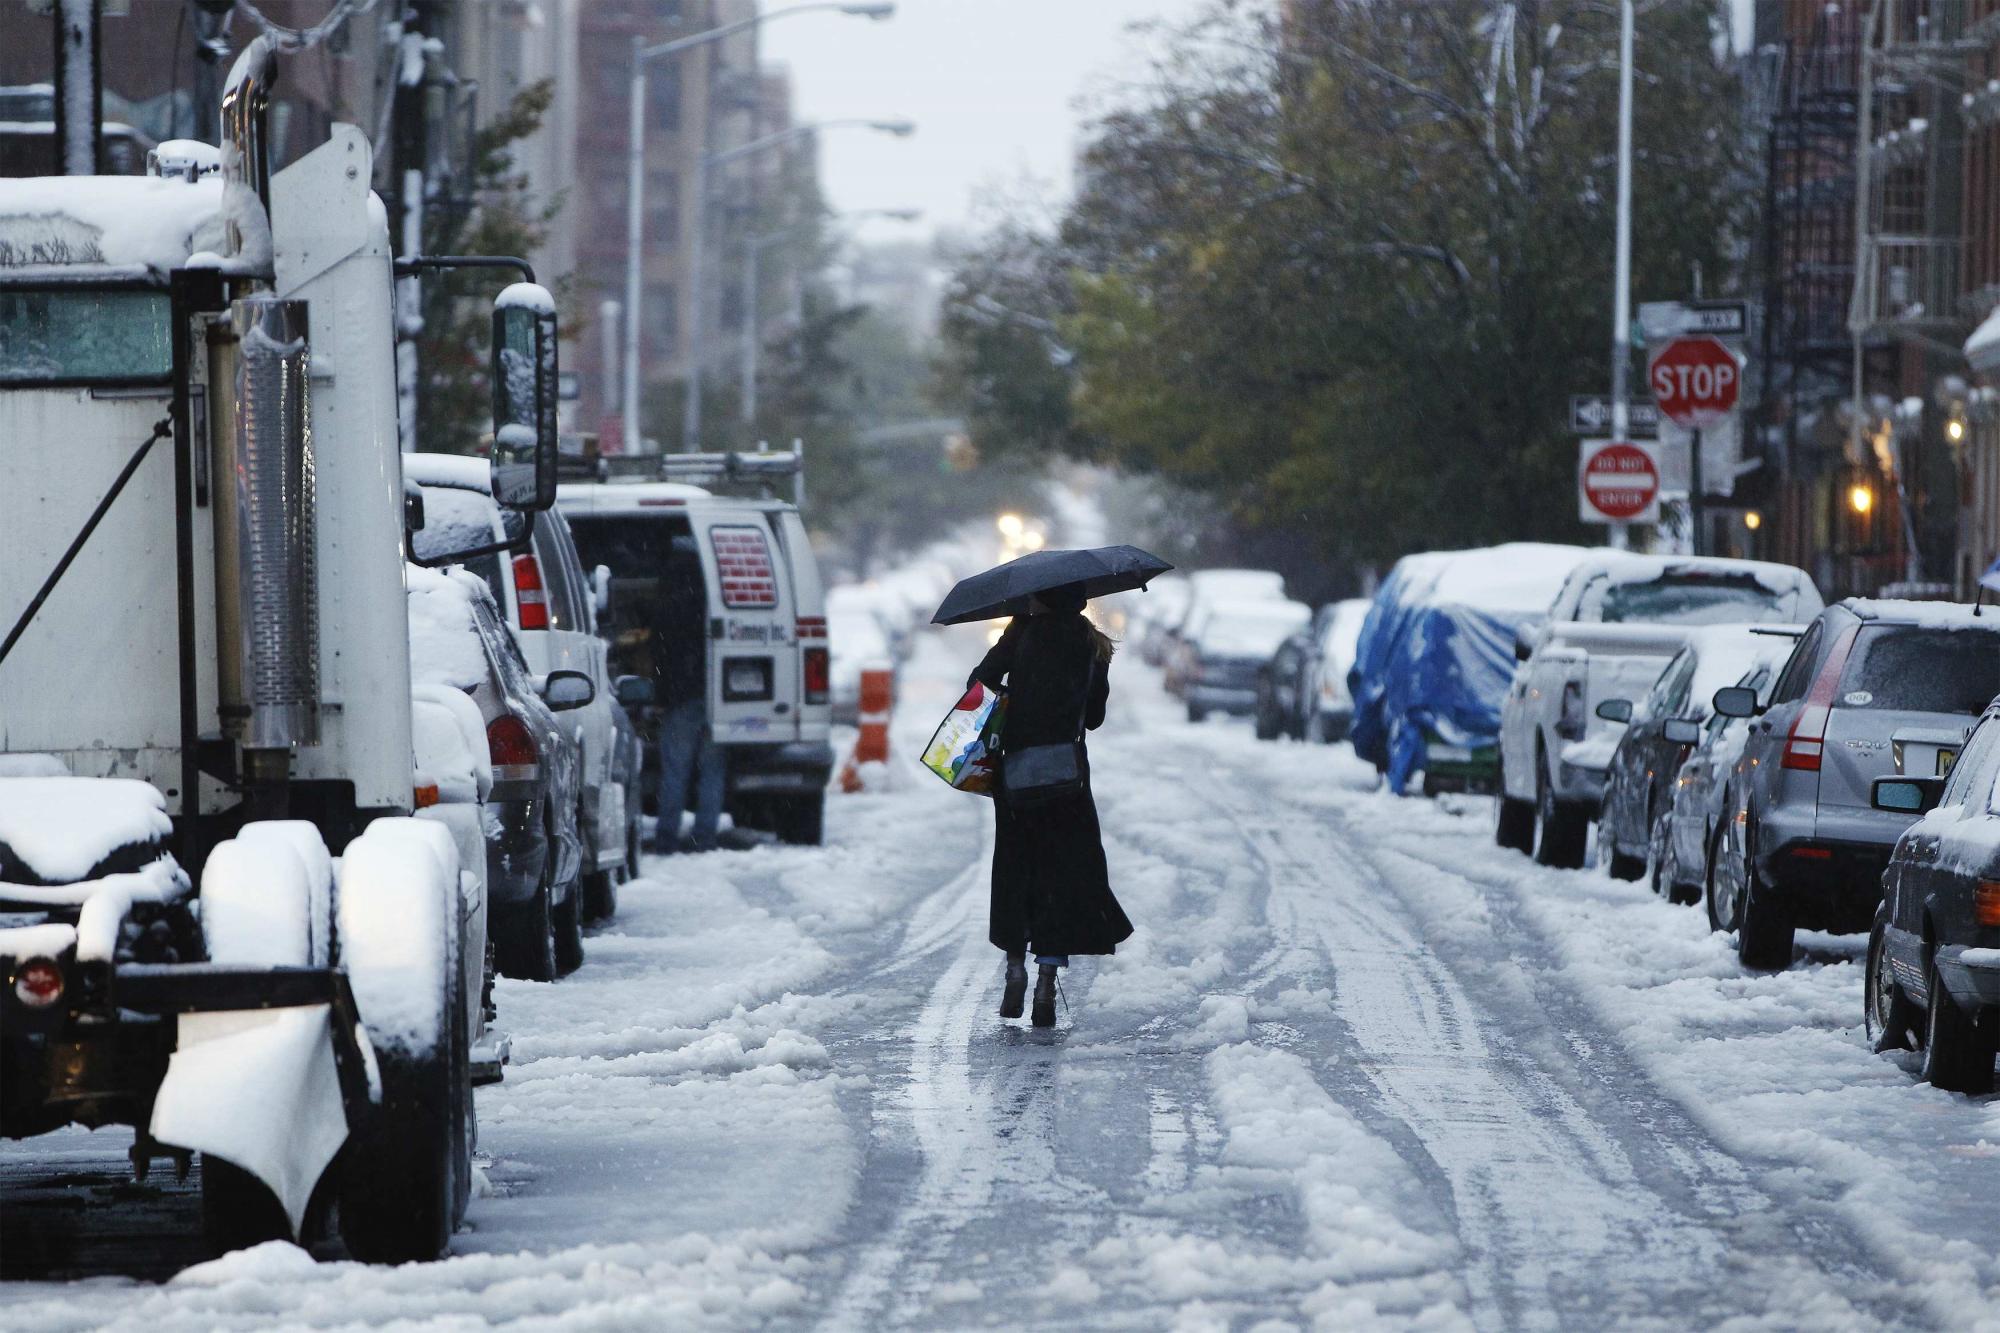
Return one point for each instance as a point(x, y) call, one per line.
point(60, 828)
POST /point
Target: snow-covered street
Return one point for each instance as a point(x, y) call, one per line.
point(1357, 1068)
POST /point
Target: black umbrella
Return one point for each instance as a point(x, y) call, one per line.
point(1004, 590)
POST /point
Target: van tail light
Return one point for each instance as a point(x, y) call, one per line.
point(811, 627)
point(511, 746)
point(1986, 902)
point(1805, 744)
point(817, 675)
point(530, 597)
point(38, 983)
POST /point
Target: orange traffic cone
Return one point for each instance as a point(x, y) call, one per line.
point(878, 701)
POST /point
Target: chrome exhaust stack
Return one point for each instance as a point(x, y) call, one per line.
point(267, 593)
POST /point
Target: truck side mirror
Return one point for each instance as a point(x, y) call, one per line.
point(1615, 710)
point(1736, 701)
point(413, 508)
point(634, 691)
point(524, 397)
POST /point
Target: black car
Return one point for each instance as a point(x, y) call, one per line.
point(1282, 683)
point(1664, 727)
point(1933, 977)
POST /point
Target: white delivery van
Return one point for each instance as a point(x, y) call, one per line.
point(765, 649)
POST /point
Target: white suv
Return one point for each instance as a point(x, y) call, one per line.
point(552, 607)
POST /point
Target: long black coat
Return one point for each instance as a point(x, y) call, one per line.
point(1050, 885)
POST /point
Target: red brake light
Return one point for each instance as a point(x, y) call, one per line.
point(812, 627)
point(39, 983)
point(1986, 903)
point(817, 675)
point(529, 598)
point(1805, 744)
point(509, 743)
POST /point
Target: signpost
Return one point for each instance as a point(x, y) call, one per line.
point(1618, 481)
point(1590, 414)
point(1696, 381)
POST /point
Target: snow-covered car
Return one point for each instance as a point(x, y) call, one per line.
point(1435, 658)
point(1615, 622)
point(1330, 700)
point(1210, 591)
point(1700, 793)
point(534, 854)
point(1933, 971)
point(1157, 614)
point(1662, 729)
point(857, 641)
point(1230, 647)
point(1302, 691)
point(544, 595)
point(1875, 689)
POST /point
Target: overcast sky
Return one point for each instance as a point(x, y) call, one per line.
point(992, 85)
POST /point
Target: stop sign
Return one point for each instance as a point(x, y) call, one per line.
point(1695, 380)
point(1618, 482)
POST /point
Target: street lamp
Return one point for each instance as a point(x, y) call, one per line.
point(636, 170)
point(691, 400)
point(753, 250)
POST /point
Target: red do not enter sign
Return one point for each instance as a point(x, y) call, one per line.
point(1618, 482)
point(1695, 380)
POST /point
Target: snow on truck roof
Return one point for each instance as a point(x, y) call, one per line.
point(579, 498)
point(124, 222)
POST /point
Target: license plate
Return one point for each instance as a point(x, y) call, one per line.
point(1945, 759)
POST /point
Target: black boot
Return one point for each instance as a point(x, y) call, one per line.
point(1017, 986)
point(1045, 997)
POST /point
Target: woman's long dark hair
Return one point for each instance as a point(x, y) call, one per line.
point(1070, 599)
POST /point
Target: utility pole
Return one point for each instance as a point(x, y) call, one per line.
point(79, 82)
point(1621, 297)
point(409, 171)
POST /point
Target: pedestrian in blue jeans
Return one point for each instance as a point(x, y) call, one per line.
point(688, 752)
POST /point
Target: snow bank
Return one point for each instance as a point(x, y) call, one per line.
point(445, 647)
point(59, 829)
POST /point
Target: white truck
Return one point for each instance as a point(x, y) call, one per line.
point(1614, 624)
point(224, 919)
point(767, 665)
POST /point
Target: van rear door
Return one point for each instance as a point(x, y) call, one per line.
point(753, 676)
point(811, 660)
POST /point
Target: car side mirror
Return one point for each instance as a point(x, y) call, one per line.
point(413, 508)
point(564, 689)
point(1524, 644)
point(600, 587)
point(1735, 701)
point(525, 388)
point(1906, 796)
point(1681, 731)
point(1615, 710)
point(634, 691)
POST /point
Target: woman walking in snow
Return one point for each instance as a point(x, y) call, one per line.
point(1051, 888)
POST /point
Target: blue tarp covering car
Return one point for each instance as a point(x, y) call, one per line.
point(1436, 657)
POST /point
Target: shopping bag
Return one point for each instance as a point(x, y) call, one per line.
point(964, 748)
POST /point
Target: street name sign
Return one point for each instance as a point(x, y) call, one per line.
point(1590, 414)
point(1618, 481)
point(1661, 320)
point(1695, 380)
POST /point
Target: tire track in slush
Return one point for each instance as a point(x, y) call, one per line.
point(1562, 1223)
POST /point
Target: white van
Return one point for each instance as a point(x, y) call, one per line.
point(768, 671)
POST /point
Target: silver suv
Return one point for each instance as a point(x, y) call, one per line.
point(1874, 689)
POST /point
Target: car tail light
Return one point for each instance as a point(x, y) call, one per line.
point(1805, 744)
point(818, 673)
point(1813, 853)
point(1569, 723)
point(530, 599)
point(812, 627)
point(38, 983)
point(1986, 902)
point(511, 745)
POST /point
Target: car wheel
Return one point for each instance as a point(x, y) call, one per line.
point(568, 932)
point(1659, 856)
point(1266, 726)
point(237, 1209)
point(800, 820)
point(1890, 1016)
point(524, 938)
point(1563, 831)
point(1764, 929)
point(1632, 868)
point(1195, 714)
point(1718, 919)
point(1514, 821)
point(1958, 1052)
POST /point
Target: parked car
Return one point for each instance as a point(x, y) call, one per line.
point(1700, 791)
point(1157, 614)
point(544, 595)
point(1435, 656)
point(1293, 694)
point(767, 656)
point(1612, 627)
point(1933, 972)
point(1662, 729)
point(1875, 689)
point(1329, 698)
point(1210, 590)
point(1230, 646)
point(534, 853)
